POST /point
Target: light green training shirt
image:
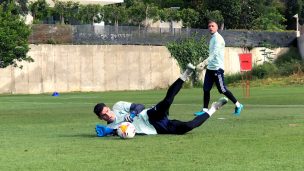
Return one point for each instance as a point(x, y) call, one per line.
point(216, 52)
point(141, 121)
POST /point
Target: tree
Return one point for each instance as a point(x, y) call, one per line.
point(59, 9)
point(88, 14)
point(20, 6)
point(159, 3)
point(170, 3)
point(71, 11)
point(137, 13)
point(294, 7)
point(152, 12)
point(169, 14)
point(14, 34)
point(193, 3)
point(189, 17)
point(301, 17)
point(140, 10)
point(67, 11)
point(231, 11)
point(40, 10)
point(202, 22)
point(115, 14)
point(249, 13)
point(270, 20)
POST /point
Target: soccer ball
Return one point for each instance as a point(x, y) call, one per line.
point(126, 130)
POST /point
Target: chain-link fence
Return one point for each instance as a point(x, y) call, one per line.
point(89, 34)
point(132, 35)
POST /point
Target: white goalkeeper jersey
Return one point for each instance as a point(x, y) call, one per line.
point(141, 121)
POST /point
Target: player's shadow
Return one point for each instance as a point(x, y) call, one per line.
point(84, 135)
point(91, 136)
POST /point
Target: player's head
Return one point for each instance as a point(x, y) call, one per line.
point(103, 112)
point(212, 26)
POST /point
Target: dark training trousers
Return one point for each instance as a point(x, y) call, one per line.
point(158, 115)
point(217, 77)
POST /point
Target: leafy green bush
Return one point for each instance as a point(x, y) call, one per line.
point(289, 62)
point(189, 50)
point(289, 68)
point(233, 78)
point(291, 56)
point(264, 71)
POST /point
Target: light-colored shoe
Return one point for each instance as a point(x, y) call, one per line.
point(188, 72)
point(190, 66)
point(237, 110)
point(220, 103)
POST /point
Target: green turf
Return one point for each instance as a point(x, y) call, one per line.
point(41, 132)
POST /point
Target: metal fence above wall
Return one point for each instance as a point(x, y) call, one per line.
point(132, 35)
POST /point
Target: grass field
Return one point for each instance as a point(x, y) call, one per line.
point(41, 132)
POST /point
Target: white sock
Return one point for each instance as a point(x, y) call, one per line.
point(237, 104)
point(211, 111)
point(205, 109)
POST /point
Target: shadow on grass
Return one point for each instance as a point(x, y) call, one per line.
point(80, 135)
point(91, 136)
point(87, 135)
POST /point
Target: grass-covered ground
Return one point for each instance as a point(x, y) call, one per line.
point(41, 132)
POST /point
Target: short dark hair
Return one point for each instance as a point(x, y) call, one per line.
point(98, 108)
point(212, 21)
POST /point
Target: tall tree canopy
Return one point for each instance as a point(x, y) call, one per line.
point(14, 34)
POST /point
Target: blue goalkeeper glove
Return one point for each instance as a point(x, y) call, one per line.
point(102, 130)
point(129, 117)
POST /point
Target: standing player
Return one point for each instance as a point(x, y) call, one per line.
point(215, 70)
point(152, 120)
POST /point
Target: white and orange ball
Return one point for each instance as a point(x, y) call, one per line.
point(126, 130)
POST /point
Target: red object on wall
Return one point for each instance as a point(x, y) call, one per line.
point(246, 65)
point(246, 61)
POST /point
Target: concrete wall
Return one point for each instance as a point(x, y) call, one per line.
point(301, 45)
point(232, 63)
point(66, 68)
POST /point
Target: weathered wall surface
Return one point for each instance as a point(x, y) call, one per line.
point(67, 68)
point(133, 35)
point(301, 45)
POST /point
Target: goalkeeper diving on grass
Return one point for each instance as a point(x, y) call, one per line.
point(152, 120)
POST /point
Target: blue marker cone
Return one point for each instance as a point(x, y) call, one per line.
point(55, 94)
